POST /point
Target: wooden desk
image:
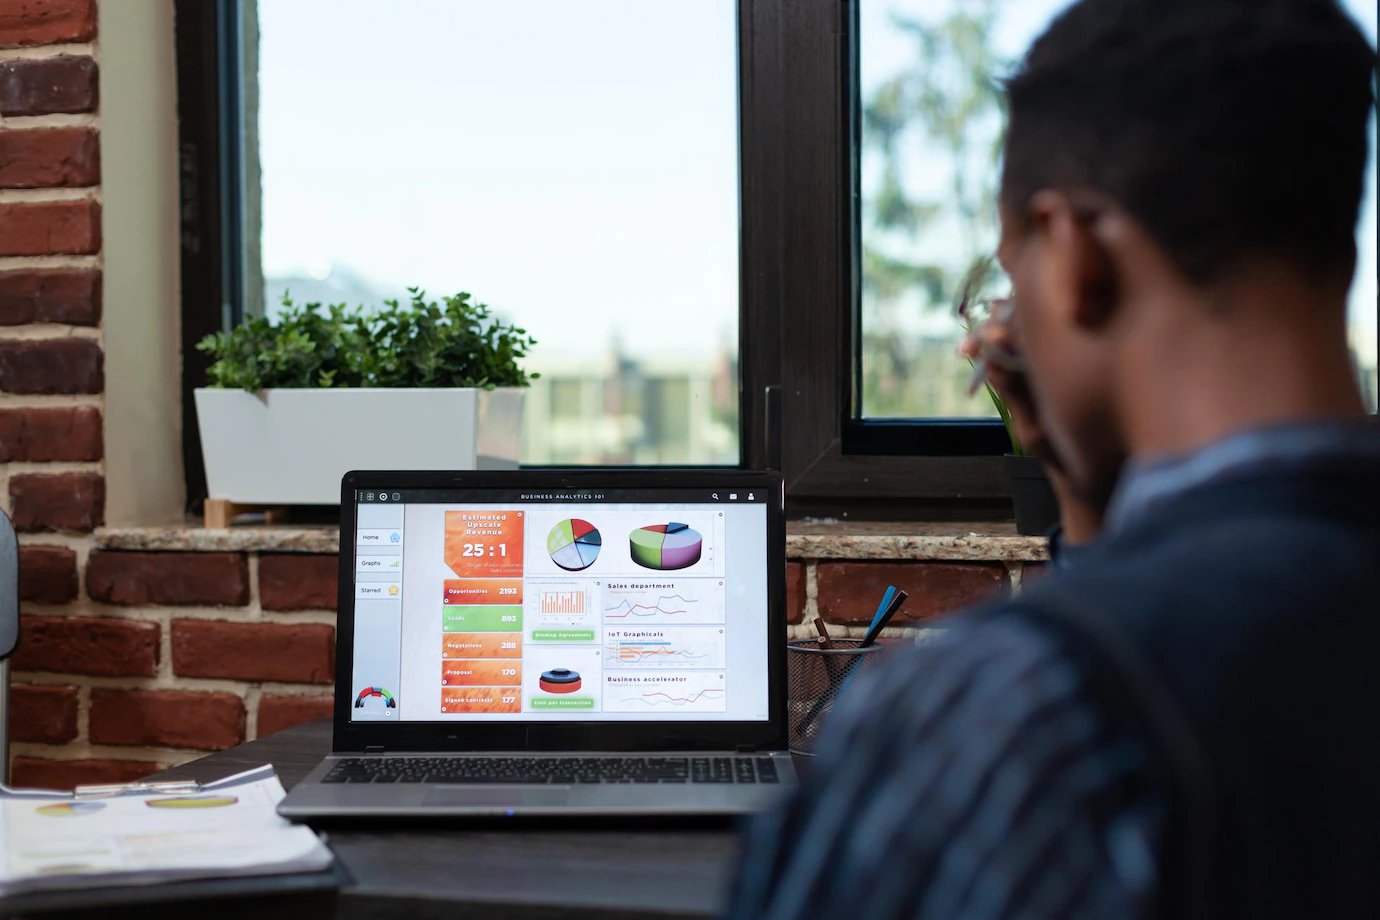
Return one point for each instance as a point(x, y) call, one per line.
point(528, 873)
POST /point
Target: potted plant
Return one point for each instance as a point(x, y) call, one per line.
point(1032, 495)
point(295, 402)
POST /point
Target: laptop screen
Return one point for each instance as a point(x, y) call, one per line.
point(511, 605)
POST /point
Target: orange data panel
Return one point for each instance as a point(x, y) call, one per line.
point(481, 645)
point(481, 673)
point(484, 544)
point(483, 591)
point(481, 699)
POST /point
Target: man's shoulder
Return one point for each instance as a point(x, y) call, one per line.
point(1247, 567)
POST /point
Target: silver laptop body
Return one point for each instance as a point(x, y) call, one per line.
point(551, 642)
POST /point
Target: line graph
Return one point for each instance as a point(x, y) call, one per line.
point(672, 647)
point(665, 692)
point(626, 608)
point(677, 601)
point(662, 698)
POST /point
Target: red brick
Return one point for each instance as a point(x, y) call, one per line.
point(43, 366)
point(46, 714)
point(1032, 572)
point(167, 718)
point(66, 501)
point(42, 773)
point(849, 591)
point(47, 574)
point(795, 592)
point(44, 435)
point(168, 579)
point(277, 713)
point(66, 295)
point(254, 651)
point(46, 22)
point(102, 646)
point(46, 228)
point(50, 158)
point(293, 582)
point(44, 86)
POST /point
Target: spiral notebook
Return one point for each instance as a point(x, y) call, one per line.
point(146, 834)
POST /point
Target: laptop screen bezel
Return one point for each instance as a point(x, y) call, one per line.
point(535, 734)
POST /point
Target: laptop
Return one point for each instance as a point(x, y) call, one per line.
point(547, 642)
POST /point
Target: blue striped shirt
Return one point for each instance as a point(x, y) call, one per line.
point(976, 776)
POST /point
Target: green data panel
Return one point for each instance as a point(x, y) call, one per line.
point(563, 702)
point(489, 618)
point(562, 635)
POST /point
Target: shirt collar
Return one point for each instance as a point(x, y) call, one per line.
point(1146, 483)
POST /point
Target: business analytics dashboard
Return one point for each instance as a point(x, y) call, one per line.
point(530, 608)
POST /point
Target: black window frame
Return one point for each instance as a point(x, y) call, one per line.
point(799, 275)
point(801, 291)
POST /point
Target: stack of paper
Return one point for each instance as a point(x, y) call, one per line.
point(52, 841)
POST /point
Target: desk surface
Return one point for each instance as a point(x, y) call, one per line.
point(551, 872)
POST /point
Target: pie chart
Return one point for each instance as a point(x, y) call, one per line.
point(573, 544)
point(666, 546)
point(69, 809)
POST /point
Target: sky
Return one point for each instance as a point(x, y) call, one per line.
point(572, 164)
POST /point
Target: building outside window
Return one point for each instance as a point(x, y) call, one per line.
point(573, 165)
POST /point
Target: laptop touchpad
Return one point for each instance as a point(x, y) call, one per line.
point(497, 797)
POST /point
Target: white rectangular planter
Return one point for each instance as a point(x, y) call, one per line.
point(291, 447)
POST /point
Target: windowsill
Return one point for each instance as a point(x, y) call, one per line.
point(981, 542)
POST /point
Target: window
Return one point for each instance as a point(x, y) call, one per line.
point(931, 122)
point(689, 204)
point(573, 165)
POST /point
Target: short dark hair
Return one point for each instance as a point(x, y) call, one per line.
point(1230, 129)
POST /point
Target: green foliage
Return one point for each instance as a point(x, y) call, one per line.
point(454, 343)
point(933, 137)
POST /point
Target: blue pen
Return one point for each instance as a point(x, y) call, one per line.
point(881, 608)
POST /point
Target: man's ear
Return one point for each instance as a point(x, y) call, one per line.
point(1079, 270)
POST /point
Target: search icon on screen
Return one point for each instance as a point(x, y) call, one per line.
point(716, 496)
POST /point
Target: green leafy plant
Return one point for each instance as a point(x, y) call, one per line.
point(452, 343)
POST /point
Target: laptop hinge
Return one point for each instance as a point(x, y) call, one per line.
point(373, 749)
point(747, 749)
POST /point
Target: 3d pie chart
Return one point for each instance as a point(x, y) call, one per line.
point(559, 680)
point(574, 544)
point(666, 546)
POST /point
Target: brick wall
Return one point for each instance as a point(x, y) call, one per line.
point(163, 656)
point(51, 374)
point(128, 662)
point(150, 659)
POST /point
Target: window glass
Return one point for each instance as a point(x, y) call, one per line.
point(931, 131)
point(573, 165)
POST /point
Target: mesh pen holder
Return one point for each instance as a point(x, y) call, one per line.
point(816, 677)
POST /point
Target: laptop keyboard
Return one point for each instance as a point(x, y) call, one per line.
point(561, 770)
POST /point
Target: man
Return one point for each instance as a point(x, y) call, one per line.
point(1183, 723)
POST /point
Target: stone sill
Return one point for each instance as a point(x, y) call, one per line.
point(984, 542)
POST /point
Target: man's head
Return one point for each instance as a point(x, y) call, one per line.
point(1158, 152)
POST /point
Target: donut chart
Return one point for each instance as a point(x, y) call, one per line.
point(665, 547)
point(574, 544)
point(559, 680)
